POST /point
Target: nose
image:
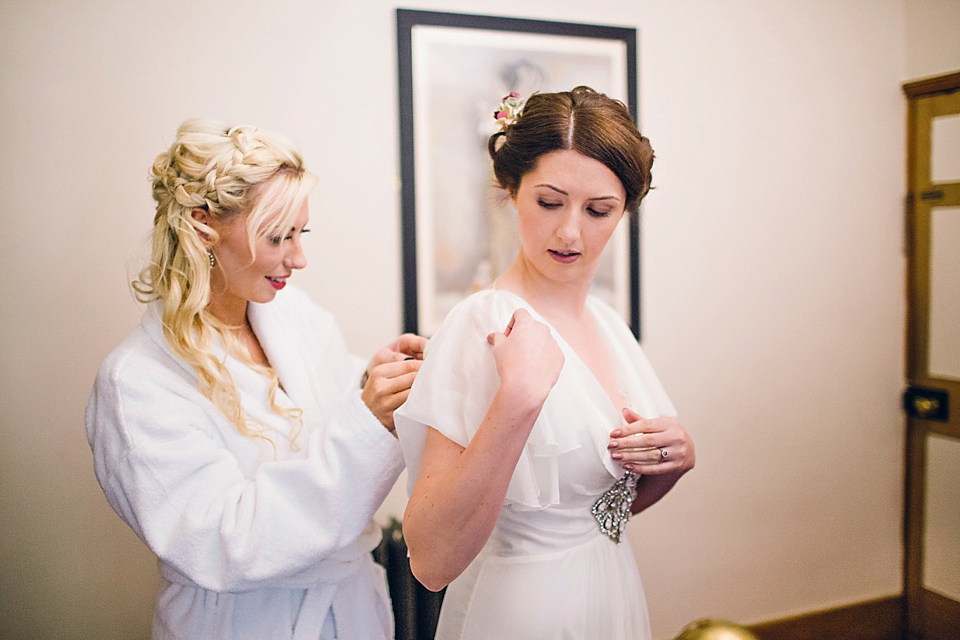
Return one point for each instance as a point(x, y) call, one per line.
point(568, 226)
point(295, 258)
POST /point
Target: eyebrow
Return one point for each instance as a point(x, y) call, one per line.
point(558, 190)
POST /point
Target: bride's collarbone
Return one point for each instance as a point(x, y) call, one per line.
point(587, 342)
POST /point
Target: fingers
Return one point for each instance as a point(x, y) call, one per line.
point(388, 387)
point(520, 315)
point(390, 399)
point(641, 440)
point(384, 355)
point(391, 370)
point(652, 460)
point(637, 442)
point(679, 457)
point(647, 455)
point(654, 446)
point(654, 468)
point(403, 348)
point(638, 424)
point(409, 345)
point(630, 416)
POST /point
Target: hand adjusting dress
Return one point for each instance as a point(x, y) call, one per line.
point(253, 542)
point(547, 571)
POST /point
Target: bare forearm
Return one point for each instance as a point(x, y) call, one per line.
point(651, 488)
point(455, 504)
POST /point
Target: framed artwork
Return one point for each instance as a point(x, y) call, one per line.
point(458, 228)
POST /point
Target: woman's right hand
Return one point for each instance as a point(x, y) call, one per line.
point(527, 357)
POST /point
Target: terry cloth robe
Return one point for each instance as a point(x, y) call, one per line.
point(253, 541)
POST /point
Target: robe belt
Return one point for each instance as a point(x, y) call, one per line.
point(328, 571)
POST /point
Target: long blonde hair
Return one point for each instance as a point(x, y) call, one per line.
point(227, 171)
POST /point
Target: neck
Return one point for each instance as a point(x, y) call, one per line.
point(551, 298)
point(231, 313)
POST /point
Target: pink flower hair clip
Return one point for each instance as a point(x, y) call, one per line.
point(509, 110)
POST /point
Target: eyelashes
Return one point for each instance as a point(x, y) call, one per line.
point(276, 240)
point(550, 206)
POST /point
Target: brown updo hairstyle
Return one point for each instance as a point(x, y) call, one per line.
point(581, 120)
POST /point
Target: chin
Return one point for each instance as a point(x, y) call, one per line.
point(567, 274)
point(266, 296)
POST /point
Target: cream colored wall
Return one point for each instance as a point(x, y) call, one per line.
point(772, 268)
point(933, 47)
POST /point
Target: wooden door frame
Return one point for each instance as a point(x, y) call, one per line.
point(917, 600)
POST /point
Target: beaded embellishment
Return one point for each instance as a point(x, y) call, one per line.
point(612, 509)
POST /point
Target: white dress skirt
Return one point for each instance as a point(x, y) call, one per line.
point(547, 571)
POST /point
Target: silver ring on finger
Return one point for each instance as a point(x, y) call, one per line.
point(663, 454)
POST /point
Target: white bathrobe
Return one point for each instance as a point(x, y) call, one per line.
point(253, 542)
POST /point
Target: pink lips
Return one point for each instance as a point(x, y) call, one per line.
point(277, 284)
point(564, 257)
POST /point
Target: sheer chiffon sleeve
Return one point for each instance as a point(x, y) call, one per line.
point(454, 389)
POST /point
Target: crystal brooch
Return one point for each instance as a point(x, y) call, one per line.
point(612, 509)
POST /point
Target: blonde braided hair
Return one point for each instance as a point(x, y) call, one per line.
point(227, 171)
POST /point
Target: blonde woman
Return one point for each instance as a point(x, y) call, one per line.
point(230, 430)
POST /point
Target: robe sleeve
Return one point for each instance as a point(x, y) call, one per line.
point(160, 457)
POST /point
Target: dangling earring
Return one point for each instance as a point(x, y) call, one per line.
point(213, 261)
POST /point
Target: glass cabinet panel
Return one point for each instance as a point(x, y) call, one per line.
point(943, 357)
point(941, 563)
point(945, 149)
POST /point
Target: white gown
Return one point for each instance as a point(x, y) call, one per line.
point(546, 571)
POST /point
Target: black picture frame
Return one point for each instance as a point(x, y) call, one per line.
point(584, 44)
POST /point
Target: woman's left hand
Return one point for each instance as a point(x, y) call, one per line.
point(405, 347)
point(390, 375)
point(651, 447)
